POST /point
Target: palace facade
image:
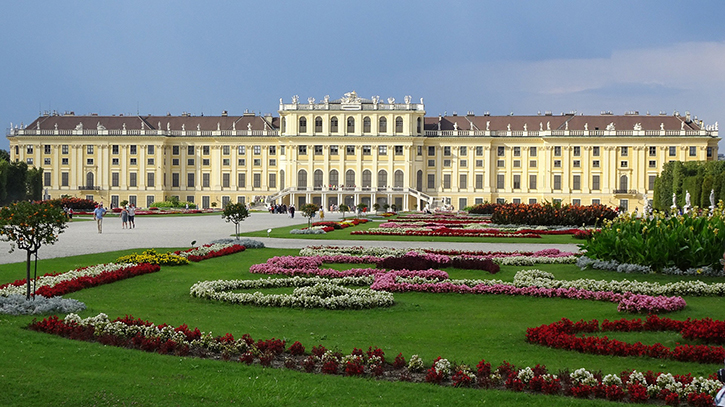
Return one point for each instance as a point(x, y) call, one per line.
point(354, 150)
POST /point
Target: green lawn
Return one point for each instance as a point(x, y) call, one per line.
point(41, 369)
point(345, 234)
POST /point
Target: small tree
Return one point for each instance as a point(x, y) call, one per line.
point(386, 206)
point(308, 211)
point(394, 207)
point(361, 207)
point(376, 206)
point(235, 213)
point(343, 208)
point(30, 225)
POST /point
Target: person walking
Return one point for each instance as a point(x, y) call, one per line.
point(124, 217)
point(291, 211)
point(132, 216)
point(98, 214)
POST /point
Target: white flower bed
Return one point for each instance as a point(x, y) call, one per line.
point(206, 249)
point(42, 281)
point(17, 305)
point(310, 292)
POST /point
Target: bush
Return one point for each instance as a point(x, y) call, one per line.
point(481, 209)
point(17, 305)
point(551, 214)
point(74, 203)
point(246, 242)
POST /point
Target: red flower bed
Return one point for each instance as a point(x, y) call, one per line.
point(223, 252)
point(563, 335)
point(106, 277)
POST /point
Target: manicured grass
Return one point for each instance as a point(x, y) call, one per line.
point(41, 369)
point(345, 234)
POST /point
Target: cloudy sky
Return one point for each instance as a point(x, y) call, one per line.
point(144, 57)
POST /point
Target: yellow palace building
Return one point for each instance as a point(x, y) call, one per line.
point(354, 150)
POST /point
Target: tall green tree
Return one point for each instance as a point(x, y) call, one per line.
point(34, 184)
point(29, 225)
point(16, 181)
point(4, 155)
point(4, 169)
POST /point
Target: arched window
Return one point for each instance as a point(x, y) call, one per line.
point(420, 125)
point(419, 180)
point(383, 125)
point(333, 125)
point(89, 180)
point(399, 179)
point(317, 179)
point(303, 125)
point(302, 179)
point(382, 179)
point(350, 124)
point(334, 178)
point(367, 179)
point(318, 124)
point(350, 179)
point(281, 179)
point(366, 125)
point(623, 183)
point(398, 124)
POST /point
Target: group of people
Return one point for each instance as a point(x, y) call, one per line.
point(127, 215)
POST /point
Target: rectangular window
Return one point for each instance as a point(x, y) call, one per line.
point(479, 163)
point(241, 150)
point(256, 150)
point(241, 180)
point(557, 163)
point(281, 150)
point(595, 151)
point(150, 179)
point(462, 152)
point(479, 181)
point(501, 151)
point(398, 150)
point(175, 180)
point(463, 181)
point(64, 179)
point(114, 149)
point(532, 201)
point(190, 161)
point(479, 151)
point(367, 150)
point(133, 161)
point(693, 151)
point(517, 181)
point(447, 151)
point(64, 161)
point(350, 150)
point(175, 150)
point(272, 162)
point(447, 163)
point(46, 161)
point(132, 179)
point(419, 150)
point(532, 151)
point(500, 163)
point(462, 202)
point(89, 149)
point(205, 161)
point(576, 202)
point(29, 161)
point(595, 163)
point(532, 181)
point(478, 201)
point(500, 181)
point(517, 163)
point(577, 151)
point(114, 179)
point(272, 182)
point(652, 151)
point(46, 179)
point(557, 182)
point(257, 162)
point(623, 164)
point(318, 150)
point(557, 151)
point(431, 151)
point(652, 164)
point(595, 182)
point(431, 163)
point(226, 150)
point(532, 163)
point(463, 163)
point(596, 201)
point(89, 161)
point(272, 150)
point(576, 182)
point(334, 150)
point(576, 163)
point(447, 181)
point(205, 180)
point(382, 150)
point(709, 152)
point(205, 150)
point(149, 150)
point(190, 180)
point(132, 149)
point(257, 180)
point(226, 162)
point(150, 161)
point(190, 150)
point(517, 151)
point(623, 151)
point(242, 162)
point(673, 151)
point(225, 180)
point(431, 181)
point(651, 182)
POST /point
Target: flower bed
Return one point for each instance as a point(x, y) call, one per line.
point(209, 251)
point(151, 256)
point(563, 335)
point(629, 386)
point(74, 280)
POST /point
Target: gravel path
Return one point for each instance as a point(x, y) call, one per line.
point(81, 236)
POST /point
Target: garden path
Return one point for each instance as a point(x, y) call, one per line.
point(81, 236)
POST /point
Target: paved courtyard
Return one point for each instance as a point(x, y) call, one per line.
point(81, 236)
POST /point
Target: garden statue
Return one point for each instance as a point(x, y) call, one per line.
point(687, 202)
point(712, 200)
point(647, 207)
point(674, 201)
